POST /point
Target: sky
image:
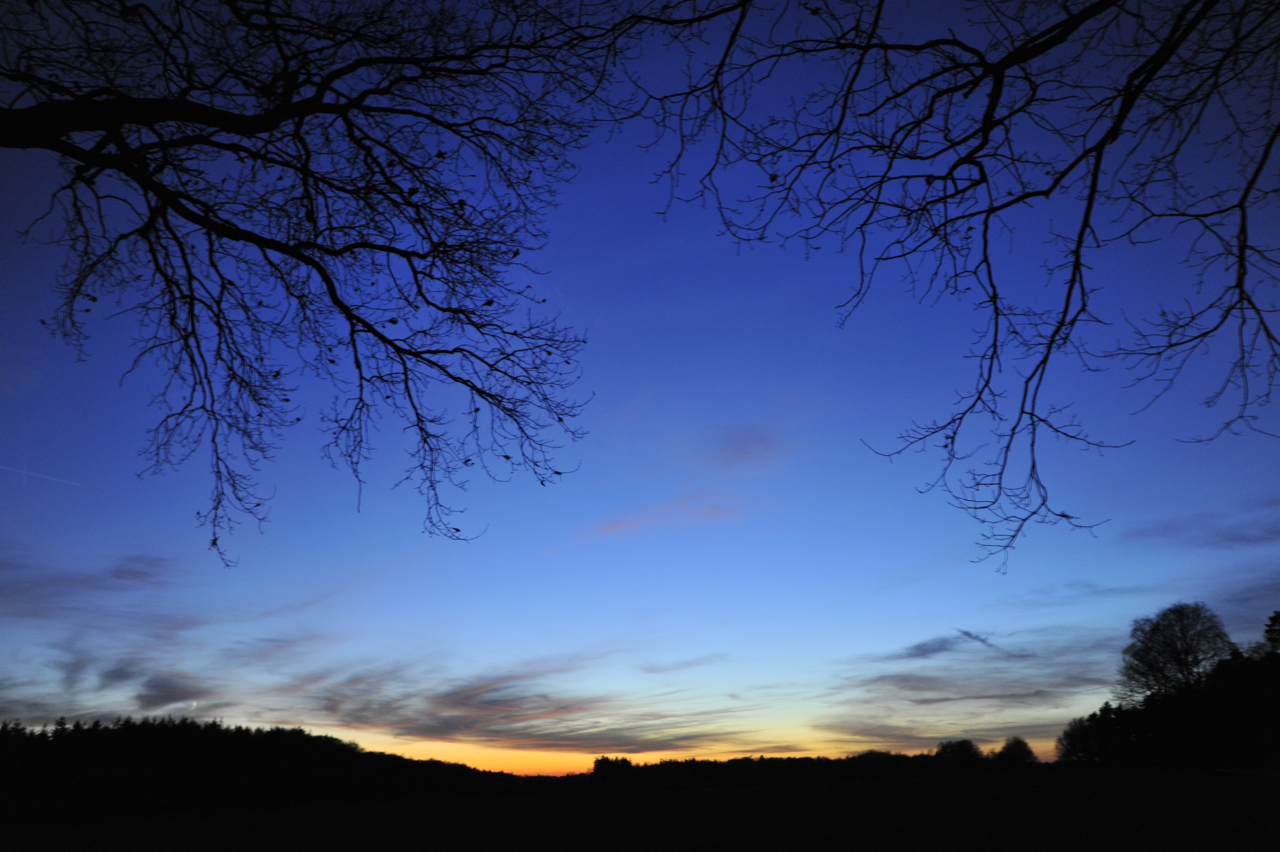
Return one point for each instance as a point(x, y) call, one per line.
point(730, 569)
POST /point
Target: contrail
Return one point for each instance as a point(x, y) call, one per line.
point(52, 478)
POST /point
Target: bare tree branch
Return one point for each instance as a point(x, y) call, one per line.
point(280, 188)
point(913, 146)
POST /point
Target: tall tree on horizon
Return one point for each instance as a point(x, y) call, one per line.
point(1175, 649)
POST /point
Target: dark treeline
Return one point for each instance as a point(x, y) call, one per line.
point(165, 767)
point(163, 783)
point(166, 764)
point(162, 765)
point(1142, 772)
point(951, 757)
point(1230, 720)
point(178, 783)
point(175, 763)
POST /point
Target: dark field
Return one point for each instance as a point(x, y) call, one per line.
point(1054, 807)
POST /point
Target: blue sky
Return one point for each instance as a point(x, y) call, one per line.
point(728, 569)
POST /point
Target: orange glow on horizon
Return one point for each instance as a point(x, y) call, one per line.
point(517, 761)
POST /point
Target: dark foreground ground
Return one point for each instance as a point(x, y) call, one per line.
point(1045, 807)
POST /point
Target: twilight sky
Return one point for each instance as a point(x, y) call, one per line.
point(729, 570)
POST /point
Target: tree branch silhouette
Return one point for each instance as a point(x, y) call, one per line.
point(914, 146)
point(280, 188)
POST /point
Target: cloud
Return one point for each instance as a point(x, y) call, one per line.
point(861, 734)
point(772, 748)
point(695, 508)
point(1081, 593)
point(142, 569)
point(268, 648)
point(1039, 696)
point(754, 445)
point(163, 690)
point(970, 685)
point(705, 660)
point(874, 733)
point(121, 672)
point(928, 648)
point(18, 704)
point(903, 682)
point(1021, 679)
point(1245, 603)
point(28, 590)
point(946, 644)
point(74, 661)
point(517, 709)
point(1253, 524)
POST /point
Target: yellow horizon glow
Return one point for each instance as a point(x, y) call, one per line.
point(517, 761)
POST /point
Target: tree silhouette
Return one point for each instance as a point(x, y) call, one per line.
point(1224, 718)
point(1107, 735)
point(1015, 752)
point(1271, 633)
point(958, 751)
point(914, 140)
point(1173, 650)
point(280, 189)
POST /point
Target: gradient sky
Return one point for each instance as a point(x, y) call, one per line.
point(729, 570)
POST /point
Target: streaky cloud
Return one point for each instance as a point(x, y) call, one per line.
point(1256, 523)
point(705, 660)
point(518, 709)
point(688, 509)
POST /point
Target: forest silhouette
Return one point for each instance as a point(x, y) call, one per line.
point(1230, 720)
point(1197, 763)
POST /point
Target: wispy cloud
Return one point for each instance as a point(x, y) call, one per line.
point(663, 668)
point(928, 648)
point(1080, 594)
point(1252, 524)
point(689, 509)
point(745, 446)
point(30, 590)
point(969, 685)
point(861, 734)
point(520, 708)
point(947, 644)
point(1247, 598)
point(269, 648)
point(161, 691)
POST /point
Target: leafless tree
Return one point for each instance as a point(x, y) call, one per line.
point(916, 135)
point(1172, 650)
point(282, 187)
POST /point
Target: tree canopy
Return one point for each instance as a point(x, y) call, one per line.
point(1172, 650)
